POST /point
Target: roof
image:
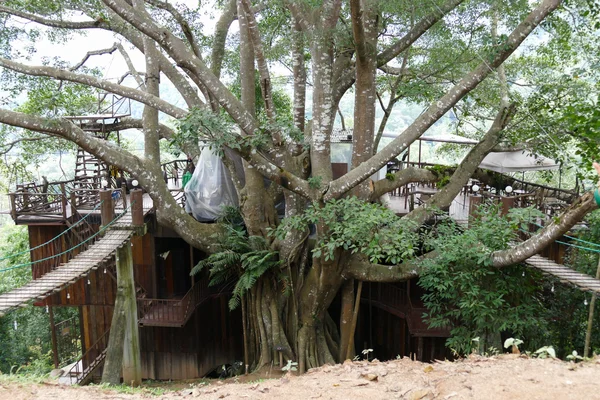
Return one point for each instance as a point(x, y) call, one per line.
point(517, 161)
point(341, 136)
point(443, 138)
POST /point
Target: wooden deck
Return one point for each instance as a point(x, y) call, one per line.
point(401, 204)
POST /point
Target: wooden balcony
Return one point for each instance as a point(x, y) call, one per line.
point(56, 203)
point(177, 312)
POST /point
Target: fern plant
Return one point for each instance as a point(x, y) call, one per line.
point(242, 257)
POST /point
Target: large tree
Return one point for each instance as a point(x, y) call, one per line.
point(443, 54)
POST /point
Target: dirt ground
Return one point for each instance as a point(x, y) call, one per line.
point(502, 377)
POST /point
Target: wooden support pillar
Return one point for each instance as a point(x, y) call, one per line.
point(107, 210)
point(137, 207)
point(13, 206)
point(63, 200)
point(474, 203)
point(507, 204)
point(132, 364)
point(124, 194)
point(53, 335)
point(73, 206)
point(123, 352)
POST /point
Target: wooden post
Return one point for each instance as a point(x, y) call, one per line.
point(123, 352)
point(53, 334)
point(474, 203)
point(132, 364)
point(137, 207)
point(507, 204)
point(588, 332)
point(107, 209)
point(73, 206)
point(124, 194)
point(13, 206)
point(63, 200)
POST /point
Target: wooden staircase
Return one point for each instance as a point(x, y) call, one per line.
point(82, 371)
point(176, 312)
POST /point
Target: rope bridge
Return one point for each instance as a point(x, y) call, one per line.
point(116, 235)
point(565, 274)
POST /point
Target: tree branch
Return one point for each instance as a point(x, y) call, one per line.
point(131, 67)
point(347, 79)
point(299, 15)
point(559, 226)
point(359, 267)
point(135, 123)
point(186, 60)
point(60, 74)
point(263, 68)
point(183, 23)
point(340, 186)
point(110, 50)
point(63, 24)
point(358, 29)
point(467, 167)
point(105, 150)
point(12, 144)
point(401, 178)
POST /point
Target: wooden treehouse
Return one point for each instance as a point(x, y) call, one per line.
point(185, 327)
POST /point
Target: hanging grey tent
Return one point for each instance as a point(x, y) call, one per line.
point(517, 161)
point(210, 188)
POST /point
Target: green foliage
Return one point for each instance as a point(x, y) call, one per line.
point(574, 356)
point(239, 256)
point(443, 173)
point(315, 181)
point(512, 342)
point(466, 293)
point(358, 227)
point(290, 366)
point(567, 307)
point(545, 352)
point(25, 332)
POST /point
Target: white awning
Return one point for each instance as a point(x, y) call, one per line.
point(517, 161)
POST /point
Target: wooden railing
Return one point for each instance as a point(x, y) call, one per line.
point(176, 312)
point(30, 200)
point(50, 200)
point(68, 345)
point(94, 356)
point(173, 170)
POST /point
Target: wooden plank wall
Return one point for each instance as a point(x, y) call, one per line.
point(212, 337)
point(143, 260)
point(39, 234)
point(389, 333)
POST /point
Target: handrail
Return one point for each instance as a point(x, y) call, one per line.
point(176, 311)
point(78, 369)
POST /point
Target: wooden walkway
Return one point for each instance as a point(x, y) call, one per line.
point(564, 274)
point(66, 274)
